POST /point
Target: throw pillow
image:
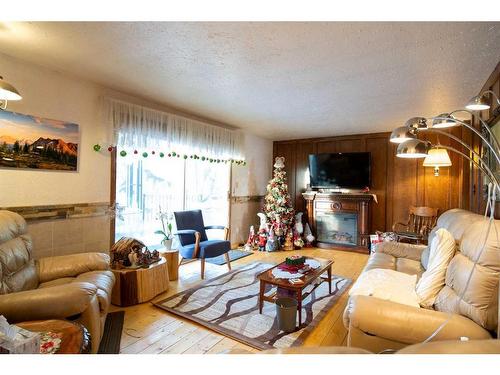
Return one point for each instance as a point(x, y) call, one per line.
point(441, 251)
point(388, 285)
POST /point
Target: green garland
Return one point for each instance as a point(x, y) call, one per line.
point(173, 154)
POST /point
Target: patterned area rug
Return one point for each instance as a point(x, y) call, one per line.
point(228, 304)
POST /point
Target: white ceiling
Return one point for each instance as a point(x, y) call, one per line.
point(278, 80)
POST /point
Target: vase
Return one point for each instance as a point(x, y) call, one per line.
point(167, 244)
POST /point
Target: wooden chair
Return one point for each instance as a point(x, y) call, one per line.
point(421, 220)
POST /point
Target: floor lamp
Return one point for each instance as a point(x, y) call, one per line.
point(409, 146)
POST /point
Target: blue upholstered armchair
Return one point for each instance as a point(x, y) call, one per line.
point(194, 243)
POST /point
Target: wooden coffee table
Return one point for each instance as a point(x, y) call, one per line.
point(267, 278)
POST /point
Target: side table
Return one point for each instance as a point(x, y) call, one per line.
point(172, 257)
point(75, 337)
point(140, 285)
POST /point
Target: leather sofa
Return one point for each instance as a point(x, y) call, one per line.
point(75, 287)
point(377, 325)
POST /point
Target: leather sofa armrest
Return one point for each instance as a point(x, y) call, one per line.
point(57, 302)
point(407, 324)
point(52, 268)
point(401, 249)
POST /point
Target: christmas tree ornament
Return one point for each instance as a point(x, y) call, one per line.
point(136, 152)
point(169, 155)
point(97, 147)
point(153, 152)
point(144, 154)
point(203, 158)
point(123, 153)
point(110, 148)
point(185, 157)
point(174, 154)
point(162, 154)
point(178, 155)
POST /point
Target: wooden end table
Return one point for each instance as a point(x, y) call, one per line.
point(140, 285)
point(172, 257)
point(75, 337)
point(267, 278)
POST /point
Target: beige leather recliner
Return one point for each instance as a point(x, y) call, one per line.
point(75, 287)
point(376, 325)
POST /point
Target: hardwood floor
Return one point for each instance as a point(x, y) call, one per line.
point(148, 329)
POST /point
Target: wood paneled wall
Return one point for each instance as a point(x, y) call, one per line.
point(397, 182)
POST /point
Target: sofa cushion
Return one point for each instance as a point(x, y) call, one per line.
point(387, 261)
point(480, 299)
point(442, 249)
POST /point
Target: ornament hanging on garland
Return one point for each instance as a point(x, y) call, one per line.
point(110, 148)
point(162, 154)
point(144, 154)
point(123, 153)
point(153, 152)
point(136, 152)
point(173, 153)
point(97, 147)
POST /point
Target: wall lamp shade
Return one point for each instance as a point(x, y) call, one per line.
point(478, 103)
point(417, 123)
point(401, 134)
point(437, 157)
point(444, 120)
point(8, 92)
point(412, 149)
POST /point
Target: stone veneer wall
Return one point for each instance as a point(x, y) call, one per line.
point(67, 229)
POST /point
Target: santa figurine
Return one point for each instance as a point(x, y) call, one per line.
point(251, 239)
point(272, 242)
point(288, 242)
point(298, 242)
point(308, 236)
point(262, 239)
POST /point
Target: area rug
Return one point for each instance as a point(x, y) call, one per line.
point(233, 255)
point(228, 304)
point(112, 334)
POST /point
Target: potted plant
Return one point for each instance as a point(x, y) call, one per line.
point(166, 232)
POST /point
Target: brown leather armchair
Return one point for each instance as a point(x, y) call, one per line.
point(75, 287)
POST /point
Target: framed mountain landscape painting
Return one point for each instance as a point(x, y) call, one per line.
point(37, 143)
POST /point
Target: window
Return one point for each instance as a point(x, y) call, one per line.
point(143, 185)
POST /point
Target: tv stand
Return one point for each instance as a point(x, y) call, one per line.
point(339, 220)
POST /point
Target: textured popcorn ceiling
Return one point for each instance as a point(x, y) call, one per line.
point(277, 80)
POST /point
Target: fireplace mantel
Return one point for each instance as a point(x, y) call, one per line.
point(343, 206)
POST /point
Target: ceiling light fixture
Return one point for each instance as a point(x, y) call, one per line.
point(7, 92)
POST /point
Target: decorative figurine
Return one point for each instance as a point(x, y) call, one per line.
point(262, 239)
point(272, 243)
point(288, 242)
point(298, 224)
point(263, 221)
point(297, 240)
point(308, 236)
point(249, 246)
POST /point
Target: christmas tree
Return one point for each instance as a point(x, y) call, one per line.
point(278, 205)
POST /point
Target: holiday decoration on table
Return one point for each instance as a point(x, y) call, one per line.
point(278, 204)
point(295, 260)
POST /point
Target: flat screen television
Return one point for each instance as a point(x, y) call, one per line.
point(345, 170)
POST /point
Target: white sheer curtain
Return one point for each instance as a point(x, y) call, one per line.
point(135, 126)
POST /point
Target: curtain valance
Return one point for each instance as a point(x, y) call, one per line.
point(135, 126)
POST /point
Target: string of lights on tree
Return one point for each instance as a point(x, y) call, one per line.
point(97, 148)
